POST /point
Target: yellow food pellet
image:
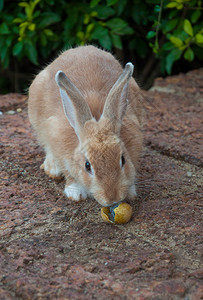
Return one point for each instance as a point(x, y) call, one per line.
point(117, 214)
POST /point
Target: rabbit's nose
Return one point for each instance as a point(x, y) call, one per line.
point(112, 196)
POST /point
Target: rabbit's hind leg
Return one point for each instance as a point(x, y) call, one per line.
point(51, 167)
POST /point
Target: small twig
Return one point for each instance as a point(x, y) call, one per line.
point(151, 61)
point(184, 13)
point(158, 25)
point(201, 8)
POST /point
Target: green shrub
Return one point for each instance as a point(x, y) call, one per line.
point(147, 32)
point(182, 32)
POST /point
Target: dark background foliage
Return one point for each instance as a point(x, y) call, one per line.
point(159, 37)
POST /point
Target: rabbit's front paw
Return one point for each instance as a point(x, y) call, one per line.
point(51, 168)
point(75, 192)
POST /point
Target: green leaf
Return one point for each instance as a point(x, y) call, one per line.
point(48, 18)
point(9, 40)
point(151, 34)
point(3, 53)
point(180, 33)
point(51, 2)
point(199, 3)
point(24, 24)
point(18, 20)
point(139, 13)
point(36, 14)
point(23, 4)
point(98, 32)
point(5, 62)
point(121, 6)
point(28, 11)
point(104, 12)
point(173, 13)
point(199, 38)
point(111, 2)
point(119, 26)
point(171, 58)
point(116, 40)
point(157, 8)
point(188, 27)
point(106, 41)
point(17, 48)
point(48, 32)
point(35, 3)
point(22, 30)
point(90, 27)
point(153, 2)
point(189, 54)
point(1, 5)
point(32, 26)
point(94, 14)
point(195, 16)
point(198, 52)
point(125, 31)
point(171, 4)
point(176, 41)
point(115, 23)
point(55, 38)
point(170, 25)
point(4, 29)
point(180, 6)
point(72, 20)
point(93, 3)
point(2, 42)
point(101, 34)
point(43, 39)
point(86, 19)
point(168, 46)
point(187, 41)
point(80, 35)
point(31, 52)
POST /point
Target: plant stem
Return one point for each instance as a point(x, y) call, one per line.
point(158, 25)
point(150, 63)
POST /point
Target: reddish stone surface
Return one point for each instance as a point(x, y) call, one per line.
point(174, 120)
point(52, 248)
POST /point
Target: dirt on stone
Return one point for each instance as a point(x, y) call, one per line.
point(53, 248)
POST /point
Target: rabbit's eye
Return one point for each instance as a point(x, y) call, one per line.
point(88, 166)
point(122, 161)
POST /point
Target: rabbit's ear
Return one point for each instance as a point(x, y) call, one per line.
point(75, 107)
point(116, 101)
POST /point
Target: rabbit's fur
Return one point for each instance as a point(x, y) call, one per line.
point(89, 124)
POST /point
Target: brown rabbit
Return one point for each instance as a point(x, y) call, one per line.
point(89, 124)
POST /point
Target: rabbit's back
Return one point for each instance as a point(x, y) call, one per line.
point(92, 70)
point(89, 68)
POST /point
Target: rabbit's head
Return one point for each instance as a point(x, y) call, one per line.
point(103, 164)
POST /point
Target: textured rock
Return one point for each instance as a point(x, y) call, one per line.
point(52, 248)
point(174, 118)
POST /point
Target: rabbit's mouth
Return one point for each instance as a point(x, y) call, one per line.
point(105, 203)
point(108, 199)
point(113, 203)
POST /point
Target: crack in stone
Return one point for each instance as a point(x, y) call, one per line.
point(177, 155)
